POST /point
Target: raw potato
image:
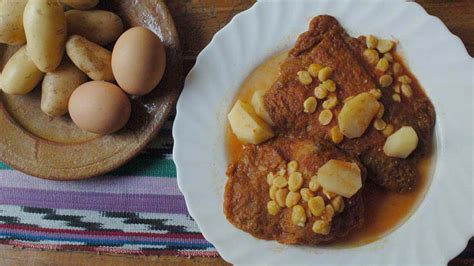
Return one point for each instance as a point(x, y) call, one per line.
point(356, 115)
point(45, 30)
point(259, 106)
point(246, 124)
point(342, 178)
point(11, 22)
point(20, 75)
point(81, 4)
point(91, 58)
point(401, 143)
point(58, 86)
point(98, 26)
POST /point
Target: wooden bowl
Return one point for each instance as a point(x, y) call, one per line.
point(54, 148)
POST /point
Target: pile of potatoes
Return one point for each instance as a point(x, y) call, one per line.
point(50, 32)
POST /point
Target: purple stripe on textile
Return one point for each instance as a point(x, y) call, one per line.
point(85, 237)
point(93, 201)
point(112, 184)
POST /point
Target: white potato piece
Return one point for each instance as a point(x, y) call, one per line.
point(259, 106)
point(247, 125)
point(356, 115)
point(11, 22)
point(98, 26)
point(20, 75)
point(45, 30)
point(342, 178)
point(91, 58)
point(401, 143)
point(80, 4)
point(58, 86)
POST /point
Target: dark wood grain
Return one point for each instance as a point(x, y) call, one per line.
point(458, 15)
point(10, 256)
point(197, 21)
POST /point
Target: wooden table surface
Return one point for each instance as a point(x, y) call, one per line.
point(197, 21)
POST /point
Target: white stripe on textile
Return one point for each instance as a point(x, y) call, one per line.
point(86, 216)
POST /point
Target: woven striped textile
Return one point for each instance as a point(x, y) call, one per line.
point(138, 209)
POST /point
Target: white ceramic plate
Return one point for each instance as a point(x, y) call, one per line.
point(440, 227)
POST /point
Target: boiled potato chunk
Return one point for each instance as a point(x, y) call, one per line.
point(401, 143)
point(342, 178)
point(11, 22)
point(20, 75)
point(58, 86)
point(247, 125)
point(45, 29)
point(81, 4)
point(356, 115)
point(259, 106)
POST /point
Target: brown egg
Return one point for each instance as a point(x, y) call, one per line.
point(99, 107)
point(138, 61)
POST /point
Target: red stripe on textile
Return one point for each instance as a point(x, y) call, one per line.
point(104, 233)
point(181, 253)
